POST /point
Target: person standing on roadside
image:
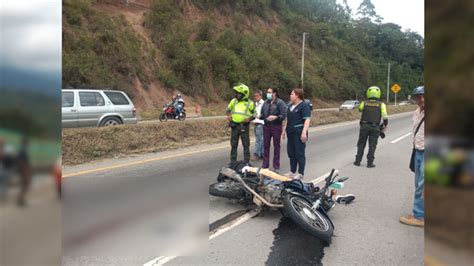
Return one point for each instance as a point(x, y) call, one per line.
point(373, 111)
point(25, 171)
point(3, 172)
point(273, 115)
point(240, 112)
point(258, 125)
point(418, 156)
point(296, 128)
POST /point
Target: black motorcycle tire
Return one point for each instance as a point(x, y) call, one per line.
point(163, 117)
point(182, 116)
point(289, 209)
point(223, 190)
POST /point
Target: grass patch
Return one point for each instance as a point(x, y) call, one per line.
point(89, 144)
point(151, 114)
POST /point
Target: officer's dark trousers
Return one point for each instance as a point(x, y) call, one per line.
point(240, 131)
point(370, 132)
point(296, 152)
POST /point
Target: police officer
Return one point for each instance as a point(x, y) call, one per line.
point(373, 111)
point(240, 111)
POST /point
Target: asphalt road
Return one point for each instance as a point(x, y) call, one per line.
point(106, 204)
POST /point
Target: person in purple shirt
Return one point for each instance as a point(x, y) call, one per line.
point(273, 114)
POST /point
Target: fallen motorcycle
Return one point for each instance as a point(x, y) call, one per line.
point(305, 204)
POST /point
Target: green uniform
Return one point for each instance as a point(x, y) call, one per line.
point(373, 112)
point(240, 111)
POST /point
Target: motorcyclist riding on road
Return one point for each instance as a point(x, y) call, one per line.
point(178, 104)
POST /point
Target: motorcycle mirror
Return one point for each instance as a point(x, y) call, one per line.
point(330, 175)
point(342, 179)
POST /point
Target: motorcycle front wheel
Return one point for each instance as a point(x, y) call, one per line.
point(226, 189)
point(312, 221)
point(163, 117)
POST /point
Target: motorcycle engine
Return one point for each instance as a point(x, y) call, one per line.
point(272, 193)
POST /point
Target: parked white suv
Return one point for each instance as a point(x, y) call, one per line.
point(349, 105)
point(85, 108)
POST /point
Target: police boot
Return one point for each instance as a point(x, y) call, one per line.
point(357, 161)
point(370, 165)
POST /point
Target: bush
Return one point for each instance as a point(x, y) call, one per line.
point(205, 30)
point(101, 50)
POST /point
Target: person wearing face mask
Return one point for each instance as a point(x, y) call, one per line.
point(240, 112)
point(273, 114)
point(296, 129)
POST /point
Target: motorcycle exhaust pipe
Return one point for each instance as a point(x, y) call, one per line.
point(236, 177)
point(229, 173)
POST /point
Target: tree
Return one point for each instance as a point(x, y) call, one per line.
point(367, 11)
point(347, 9)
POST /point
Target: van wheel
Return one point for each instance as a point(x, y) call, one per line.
point(110, 121)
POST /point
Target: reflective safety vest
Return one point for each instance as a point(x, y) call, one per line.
point(241, 110)
point(372, 111)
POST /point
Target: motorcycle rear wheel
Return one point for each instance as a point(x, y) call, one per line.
point(182, 116)
point(312, 221)
point(226, 189)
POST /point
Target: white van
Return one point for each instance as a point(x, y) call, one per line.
point(86, 108)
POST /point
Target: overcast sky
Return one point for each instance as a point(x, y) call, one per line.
point(30, 35)
point(409, 14)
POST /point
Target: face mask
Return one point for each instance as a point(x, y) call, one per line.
point(269, 96)
point(239, 96)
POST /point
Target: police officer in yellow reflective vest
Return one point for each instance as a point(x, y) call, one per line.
point(373, 111)
point(240, 111)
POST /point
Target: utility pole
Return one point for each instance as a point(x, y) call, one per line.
point(302, 60)
point(388, 82)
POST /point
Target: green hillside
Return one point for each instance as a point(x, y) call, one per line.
point(203, 47)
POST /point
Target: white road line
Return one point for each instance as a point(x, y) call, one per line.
point(160, 260)
point(235, 223)
point(153, 261)
point(400, 138)
point(163, 259)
